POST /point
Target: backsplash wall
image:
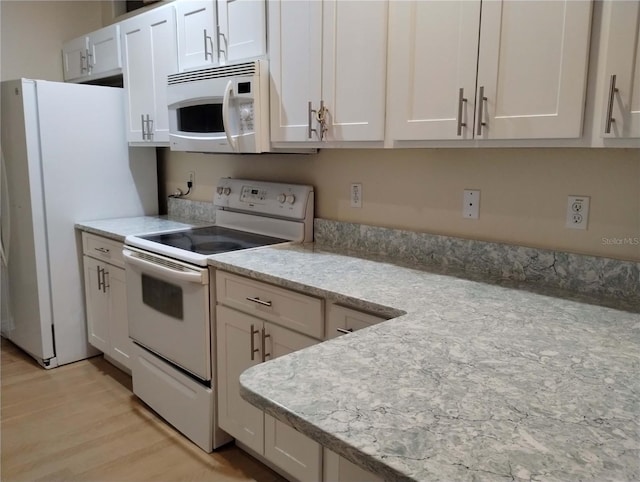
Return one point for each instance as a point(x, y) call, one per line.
point(523, 191)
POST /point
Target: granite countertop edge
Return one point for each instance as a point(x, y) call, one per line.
point(118, 229)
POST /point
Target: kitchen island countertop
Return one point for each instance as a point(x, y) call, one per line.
point(470, 381)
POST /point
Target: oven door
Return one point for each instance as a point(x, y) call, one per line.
point(168, 308)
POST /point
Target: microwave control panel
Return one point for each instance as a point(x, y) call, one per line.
point(246, 114)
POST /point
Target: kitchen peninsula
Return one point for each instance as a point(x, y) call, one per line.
point(476, 381)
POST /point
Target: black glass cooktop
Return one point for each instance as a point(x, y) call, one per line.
point(212, 240)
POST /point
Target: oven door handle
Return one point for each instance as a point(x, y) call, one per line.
point(190, 276)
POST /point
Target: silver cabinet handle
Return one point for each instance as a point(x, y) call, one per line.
point(344, 331)
point(259, 301)
point(253, 345)
point(149, 128)
point(480, 110)
point(612, 93)
point(105, 279)
point(100, 282)
point(310, 130)
point(264, 342)
point(144, 130)
point(102, 250)
point(83, 63)
point(208, 40)
point(89, 60)
point(226, 45)
point(461, 100)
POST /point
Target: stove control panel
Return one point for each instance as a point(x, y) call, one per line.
point(292, 201)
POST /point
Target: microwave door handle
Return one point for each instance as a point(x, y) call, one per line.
point(226, 124)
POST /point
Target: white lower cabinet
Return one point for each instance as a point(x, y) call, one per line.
point(256, 322)
point(342, 320)
point(244, 340)
point(106, 299)
point(339, 469)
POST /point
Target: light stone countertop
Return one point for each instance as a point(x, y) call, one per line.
point(471, 381)
point(119, 228)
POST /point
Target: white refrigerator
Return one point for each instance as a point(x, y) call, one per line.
point(65, 159)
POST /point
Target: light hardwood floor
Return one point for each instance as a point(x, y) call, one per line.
point(81, 422)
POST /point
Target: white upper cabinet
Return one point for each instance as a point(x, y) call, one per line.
point(242, 29)
point(92, 56)
point(196, 30)
point(149, 55)
point(328, 69)
point(214, 33)
point(622, 69)
point(433, 50)
point(531, 59)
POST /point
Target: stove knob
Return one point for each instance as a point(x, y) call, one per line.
point(219, 190)
point(226, 191)
point(281, 198)
point(291, 199)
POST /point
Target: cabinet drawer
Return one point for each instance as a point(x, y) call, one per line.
point(342, 318)
point(290, 309)
point(102, 248)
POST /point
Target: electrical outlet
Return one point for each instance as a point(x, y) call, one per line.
point(577, 212)
point(192, 178)
point(471, 204)
point(356, 195)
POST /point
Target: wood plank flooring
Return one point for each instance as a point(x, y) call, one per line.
point(81, 422)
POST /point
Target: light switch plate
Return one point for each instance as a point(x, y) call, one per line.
point(471, 204)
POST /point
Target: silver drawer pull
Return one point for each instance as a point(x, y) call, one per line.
point(344, 331)
point(259, 301)
point(102, 250)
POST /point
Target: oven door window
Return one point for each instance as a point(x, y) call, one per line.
point(200, 118)
point(162, 296)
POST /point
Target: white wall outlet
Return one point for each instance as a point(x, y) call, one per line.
point(356, 195)
point(577, 212)
point(471, 204)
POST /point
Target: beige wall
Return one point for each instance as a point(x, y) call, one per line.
point(523, 191)
point(32, 33)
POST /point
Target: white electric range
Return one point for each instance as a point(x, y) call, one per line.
point(171, 304)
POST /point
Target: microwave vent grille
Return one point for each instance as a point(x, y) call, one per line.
point(235, 70)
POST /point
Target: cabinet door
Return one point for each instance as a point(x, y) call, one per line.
point(295, 50)
point(339, 469)
point(623, 61)
point(164, 57)
point(290, 450)
point(346, 319)
point(121, 345)
point(104, 50)
point(137, 75)
point(150, 54)
point(354, 69)
point(74, 58)
point(97, 304)
point(433, 50)
point(196, 32)
point(234, 342)
point(532, 67)
point(243, 29)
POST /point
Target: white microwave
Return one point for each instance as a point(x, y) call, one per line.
point(220, 109)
